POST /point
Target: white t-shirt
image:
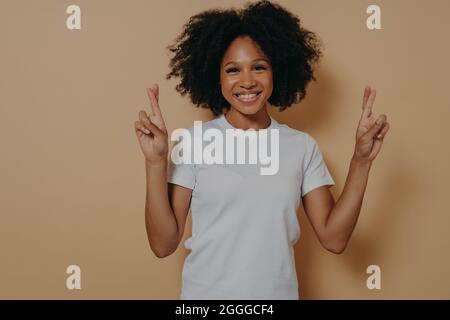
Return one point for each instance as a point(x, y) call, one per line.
point(244, 224)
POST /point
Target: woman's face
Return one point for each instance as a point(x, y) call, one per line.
point(246, 76)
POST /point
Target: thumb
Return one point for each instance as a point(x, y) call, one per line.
point(156, 131)
point(376, 127)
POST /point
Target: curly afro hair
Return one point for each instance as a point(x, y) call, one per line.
point(199, 49)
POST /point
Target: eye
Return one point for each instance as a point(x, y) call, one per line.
point(230, 70)
point(258, 67)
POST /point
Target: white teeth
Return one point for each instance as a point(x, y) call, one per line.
point(246, 96)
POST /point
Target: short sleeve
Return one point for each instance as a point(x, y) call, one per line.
point(182, 174)
point(315, 171)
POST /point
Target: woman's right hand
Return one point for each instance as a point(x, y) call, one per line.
point(151, 130)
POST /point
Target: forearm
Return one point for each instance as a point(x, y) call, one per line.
point(160, 221)
point(344, 215)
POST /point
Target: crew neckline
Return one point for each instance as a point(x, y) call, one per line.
point(227, 125)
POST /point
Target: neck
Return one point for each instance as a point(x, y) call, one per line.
point(257, 121)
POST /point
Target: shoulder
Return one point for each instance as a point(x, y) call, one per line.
point(196, 129)
point(298, 140)
point(204, 124)
point(297, 135)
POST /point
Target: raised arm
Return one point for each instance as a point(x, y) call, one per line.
point(166, 205)
point(334, 222)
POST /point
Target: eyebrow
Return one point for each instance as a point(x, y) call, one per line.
point(234, 62)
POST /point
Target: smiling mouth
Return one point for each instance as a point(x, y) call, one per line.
point(247, 97)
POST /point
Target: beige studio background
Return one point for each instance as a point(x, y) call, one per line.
point(72, 178)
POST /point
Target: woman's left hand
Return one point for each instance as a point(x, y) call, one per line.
point(371, 130)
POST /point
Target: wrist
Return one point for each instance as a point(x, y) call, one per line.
point(156, 163)
point(361, 162)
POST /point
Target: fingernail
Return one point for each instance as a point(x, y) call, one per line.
point(380, 121)
point(146, 131)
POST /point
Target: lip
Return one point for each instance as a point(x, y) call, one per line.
point(249, 102)
point(249, 92)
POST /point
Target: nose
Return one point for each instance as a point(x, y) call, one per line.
point(247, 80)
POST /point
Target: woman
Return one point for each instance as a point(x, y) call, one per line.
point(236, 63)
